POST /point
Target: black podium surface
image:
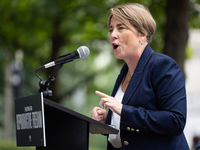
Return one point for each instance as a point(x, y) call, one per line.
point(70, 129)
point(95, 127)
point(66, 129)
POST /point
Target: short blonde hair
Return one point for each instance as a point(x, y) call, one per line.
point(136, 15)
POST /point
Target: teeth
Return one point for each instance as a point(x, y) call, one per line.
point(115, 46)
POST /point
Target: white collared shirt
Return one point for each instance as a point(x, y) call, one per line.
point(115, 139)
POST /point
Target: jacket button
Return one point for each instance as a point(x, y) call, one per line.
point(137, 130)
point(126, 143)
point(132, 129)
point(128, 128)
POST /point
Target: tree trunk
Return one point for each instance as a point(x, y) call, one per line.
point(176, 32)
point(57, 42)
point(8, 103)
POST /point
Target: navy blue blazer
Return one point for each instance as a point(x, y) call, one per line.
point(154, 105)
point(197, 146)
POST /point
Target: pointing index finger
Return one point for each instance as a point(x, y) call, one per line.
point(101, 94)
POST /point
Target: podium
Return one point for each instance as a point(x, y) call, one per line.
point(50, 126)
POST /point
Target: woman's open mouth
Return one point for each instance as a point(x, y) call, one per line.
point(115, 46)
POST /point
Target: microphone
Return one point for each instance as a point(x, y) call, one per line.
point(81, 52)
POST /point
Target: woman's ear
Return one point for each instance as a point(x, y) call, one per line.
point(144, 38)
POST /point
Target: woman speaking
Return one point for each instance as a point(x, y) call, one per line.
point(148, 102)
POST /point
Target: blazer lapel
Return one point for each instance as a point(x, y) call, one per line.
point(117, 84)
point(135, 80)
point(119, 79)
point(138, 74)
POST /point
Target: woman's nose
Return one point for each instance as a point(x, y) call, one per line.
point(113, 34)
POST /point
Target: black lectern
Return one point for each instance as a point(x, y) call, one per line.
point(50, 126)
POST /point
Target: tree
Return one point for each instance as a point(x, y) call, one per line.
point(47, 29)
point(176, 31)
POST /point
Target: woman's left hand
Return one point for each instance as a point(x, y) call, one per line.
point(110, 102)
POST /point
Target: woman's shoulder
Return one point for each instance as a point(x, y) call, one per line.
point(161, 64)
point(162, 57)
point(158, 59)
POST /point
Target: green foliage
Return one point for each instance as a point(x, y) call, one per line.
point(189, 52)
point(195, 14)
point(11, 145)
point(39, 27)
point(1, 111)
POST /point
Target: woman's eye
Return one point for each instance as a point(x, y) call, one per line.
point(121, 28)
point(110, 30)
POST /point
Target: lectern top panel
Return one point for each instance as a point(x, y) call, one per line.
point(95, 127)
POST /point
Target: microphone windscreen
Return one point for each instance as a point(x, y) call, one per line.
point(83, 51)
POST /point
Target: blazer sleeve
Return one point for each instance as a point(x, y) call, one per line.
point(165, 80)
point(197, 147)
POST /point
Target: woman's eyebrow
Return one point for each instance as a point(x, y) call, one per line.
point(118, 25)
point(121, 24)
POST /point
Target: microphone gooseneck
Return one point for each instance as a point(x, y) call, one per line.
point(81, 52)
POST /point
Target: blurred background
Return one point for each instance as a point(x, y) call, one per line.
point(35, 32)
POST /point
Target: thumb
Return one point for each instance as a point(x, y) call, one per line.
point(99, 112)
